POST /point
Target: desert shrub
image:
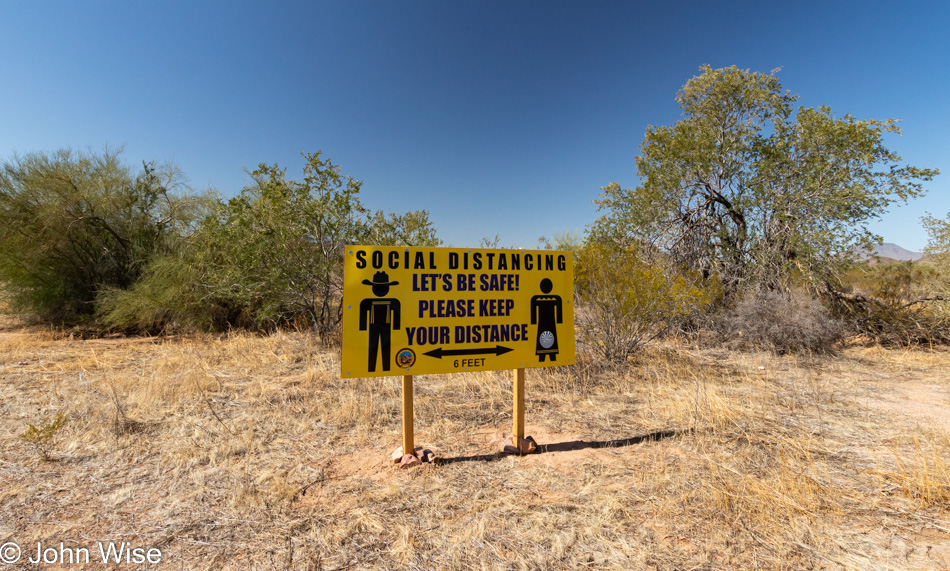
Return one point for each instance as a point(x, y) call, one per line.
point(938, 241)
point(168, 296)
point(897, 304)
point(260, 260)
point(42, 436)
point(270, 257)
point(784, 322)
point(624, 302)
point(72, 224)
point(902, 303)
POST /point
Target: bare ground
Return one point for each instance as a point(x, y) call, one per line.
point(245, 451)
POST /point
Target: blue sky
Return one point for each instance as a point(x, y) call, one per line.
point(497, 117)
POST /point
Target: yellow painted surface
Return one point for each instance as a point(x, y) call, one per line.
point(517, 416)
point(408, 445)
point(448, 310)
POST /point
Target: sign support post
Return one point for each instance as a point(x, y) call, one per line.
point(517, 429)
point(408, 446)
point(424, 311)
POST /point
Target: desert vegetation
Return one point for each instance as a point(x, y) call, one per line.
point(86, 241)
point(746, 205)
point(248, 450)
point(750, 391)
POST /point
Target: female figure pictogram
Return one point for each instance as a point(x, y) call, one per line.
point(546, 312)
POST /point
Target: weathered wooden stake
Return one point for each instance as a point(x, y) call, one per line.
point(517, 430)
point(408, 446)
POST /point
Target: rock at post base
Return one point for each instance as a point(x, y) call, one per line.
point(421, 455)
point(409, 460)
point(397, 455)
point(526, 445)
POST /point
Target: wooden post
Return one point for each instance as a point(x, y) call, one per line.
point(517, 430)
point(408, 446)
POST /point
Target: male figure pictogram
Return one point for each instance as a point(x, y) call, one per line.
point(546, 312)
point(381, 314)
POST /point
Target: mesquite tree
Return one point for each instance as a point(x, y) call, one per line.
point(72, 224)
point(750, 190)
point(271, 256)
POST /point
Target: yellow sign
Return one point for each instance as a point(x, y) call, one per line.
point(414, 311)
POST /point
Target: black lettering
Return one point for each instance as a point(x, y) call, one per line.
point(360, 259)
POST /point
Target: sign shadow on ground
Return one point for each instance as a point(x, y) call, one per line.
point(571, 445)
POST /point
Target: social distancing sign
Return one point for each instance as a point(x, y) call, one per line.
point(411, 311)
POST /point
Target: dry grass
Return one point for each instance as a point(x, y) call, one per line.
point(247, 451)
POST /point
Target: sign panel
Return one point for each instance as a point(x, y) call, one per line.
point(414, 311)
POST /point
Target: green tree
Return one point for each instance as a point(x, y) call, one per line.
point(273, 252)
point(751, 190)
point(73, 223)
point(410, 229)
point(269, 257)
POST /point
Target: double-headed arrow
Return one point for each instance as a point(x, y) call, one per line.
point(440, 352)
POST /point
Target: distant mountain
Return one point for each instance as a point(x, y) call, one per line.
point(895, 252)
